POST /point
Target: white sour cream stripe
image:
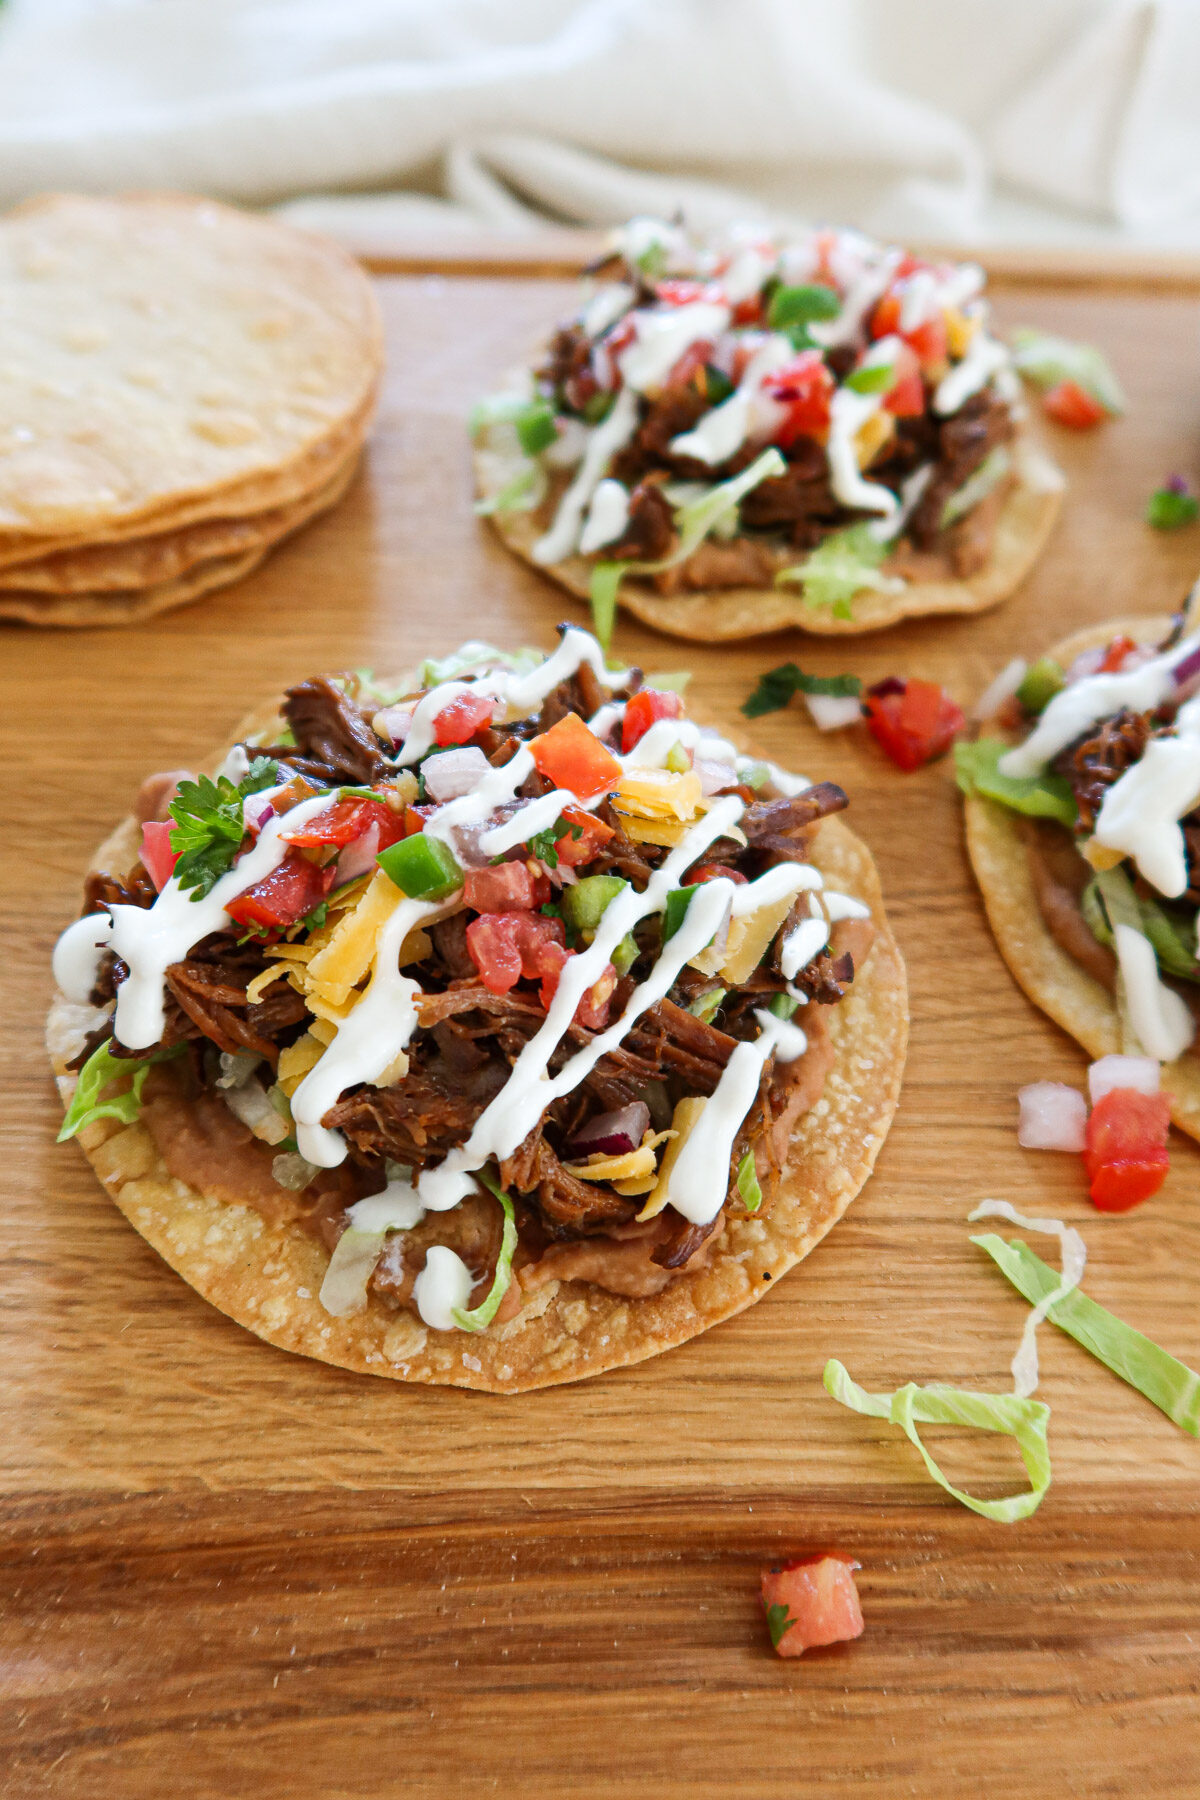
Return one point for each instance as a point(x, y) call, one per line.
point(1092, 698)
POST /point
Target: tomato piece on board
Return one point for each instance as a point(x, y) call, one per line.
point(1069, 404)
point(1125, 1152)
point(347, 820)
point(913, 722)
point(811, 1600)
point(572, 756)
point(157, 853)
point(645, 709)
point(805, 386)
point(574, 852)
point(461, 718)
point(284, 896)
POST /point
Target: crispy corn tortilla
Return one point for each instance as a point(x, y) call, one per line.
point(248, 499)
point(1052, 979)
point(150, 561)
point(267, 1278)
point(201, 347)
point(126, 606)
point(719, 614)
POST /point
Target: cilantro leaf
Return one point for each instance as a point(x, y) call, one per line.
point(544, 844)
point(779, 1620)
point(208, 824)
point(777, 686)
point(316, 918)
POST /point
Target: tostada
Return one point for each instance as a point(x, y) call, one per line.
point(751, 433)
point(495, 1028)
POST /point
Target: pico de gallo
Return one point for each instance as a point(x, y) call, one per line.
point(514, 974)
point(753, 409)
point(1100, 759)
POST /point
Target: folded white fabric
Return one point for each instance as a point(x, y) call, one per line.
point(951, 119)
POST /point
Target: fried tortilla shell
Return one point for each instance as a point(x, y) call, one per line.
point(1022, 526)
point(1052, 979)
point(267, 1277)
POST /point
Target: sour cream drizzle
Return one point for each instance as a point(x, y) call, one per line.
point(1092, 698)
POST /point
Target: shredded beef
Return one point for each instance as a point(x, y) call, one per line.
point(769, 819)
point(1094, 763)
point(567, 372)
point(420, 1118)
point(102, 890)
point(568, 1206)
point(334, 740)
point(649, 533)
point(964, 440)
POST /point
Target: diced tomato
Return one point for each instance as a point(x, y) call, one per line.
point(505, 887)
point(810, 1601)
point(690, 363)
point(1126, 1154)
point(908, 265)
point(157, 853)
point(748, 312)
point(826, 244)
point(462, 717)
point(928, 341)
point(679, 293)
point(711, 872)
point(284, 896)
point(647, 706)
point(1114, 656)
point(574, 851)
point(506, 946)
point(592, 1010)
point(1069, 404)
point(805, 386)
point(415, 817)
point(572, 756)
point(915, 723)
point(905, 399)
point(347, 820)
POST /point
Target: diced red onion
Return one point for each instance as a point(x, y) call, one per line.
point(394, 722)
point(1053, 1117)
point(1003, 688)
point(256, 810)
point(1187, 670)
point(833, 712)
point(454, 772)
point(613, 1133)
point(1140, 1072)
point(714, 775)
point(357, 857)
point(891, 684)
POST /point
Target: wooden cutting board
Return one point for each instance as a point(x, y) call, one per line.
point(227, 1571)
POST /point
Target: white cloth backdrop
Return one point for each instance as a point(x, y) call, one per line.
point(1073, 120)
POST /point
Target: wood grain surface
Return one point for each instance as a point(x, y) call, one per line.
point(227, 1571)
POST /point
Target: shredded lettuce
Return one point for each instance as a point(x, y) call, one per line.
point(747, 1183)
point(977, 770)
point(530, 415)
point(707, 1005)
point(1074, 1262)
point(990, 473)
point(845, 564)
point(1019, 1418)
point(1162, 1378)
point(525, 491)
point(100, 1070)
point(473, 656)
point(482, 1315)
point(344, 1289)
point(1046, 360)
point(693, 522)
point(1110, 899)
point(673, 681)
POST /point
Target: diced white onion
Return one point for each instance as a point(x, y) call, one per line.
point(394, 722)
point(1001, 689)
point(1140, 1072)
point(358, 856)
point(455, 772)
point(1053, 1117)
point(714, 775)
point(833, 712)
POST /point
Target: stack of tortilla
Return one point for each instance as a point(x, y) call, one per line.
point(181, 386)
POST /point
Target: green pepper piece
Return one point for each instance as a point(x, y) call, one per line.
point(584, 904)
point(873, 378)
point(782, 1005)
point(421, 867)
point(1045, 679)
point(794, 309)
point(678, 901)
point(625, 954)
